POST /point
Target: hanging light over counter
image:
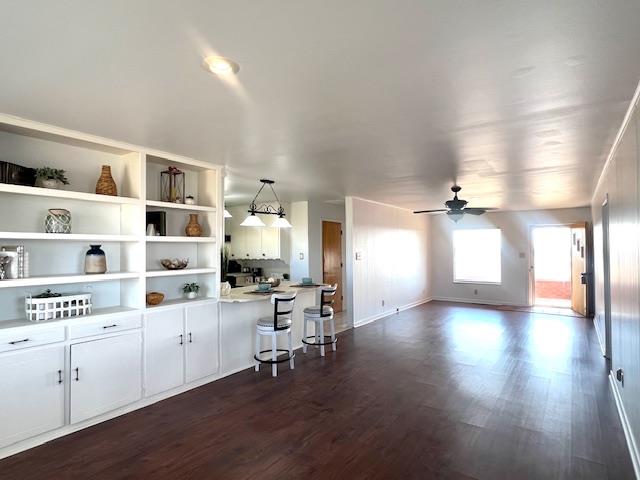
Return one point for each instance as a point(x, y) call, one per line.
point(253, 220)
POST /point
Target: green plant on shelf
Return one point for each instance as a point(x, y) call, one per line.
point(48, 173)
point(191, 288)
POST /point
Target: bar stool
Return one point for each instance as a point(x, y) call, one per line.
point(319, 315)
point(279, 324)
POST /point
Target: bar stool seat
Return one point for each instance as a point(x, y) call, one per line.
point(275, 326)
point(320, 314)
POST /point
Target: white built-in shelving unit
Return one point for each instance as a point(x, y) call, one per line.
point(118, 223)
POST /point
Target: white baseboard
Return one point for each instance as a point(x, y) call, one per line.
point(599, 335)
point(626, 427)
point(479, 301)
point(388, 313)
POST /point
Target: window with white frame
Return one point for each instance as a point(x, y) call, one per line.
point(476, 255)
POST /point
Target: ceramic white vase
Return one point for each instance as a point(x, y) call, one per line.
point(51, 183)
point(225, 288)
point(192, 295)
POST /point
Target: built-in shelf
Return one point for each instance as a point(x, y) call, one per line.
point(96, 313)
point(68, 194)
point(69, 237)
point(180, 302)
point(184, 271)
point(63, 279)
point(180, 206)
point(179, 239)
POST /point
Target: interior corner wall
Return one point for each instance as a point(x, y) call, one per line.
point(299, 261)
point(387, 259)
point(319, 212)
point(516, 253)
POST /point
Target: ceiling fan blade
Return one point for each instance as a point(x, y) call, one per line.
point(431, 211)
point(477, 211)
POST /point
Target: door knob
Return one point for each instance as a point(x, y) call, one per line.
point(620, 376)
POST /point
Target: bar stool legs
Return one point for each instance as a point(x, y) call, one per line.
point(291, 365)
point(320, 336)
point(332, 326)
point(274, 355)
point(257, 367)
point(305, 336)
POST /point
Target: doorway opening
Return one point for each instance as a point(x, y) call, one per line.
point(552, 266)
point(332, 259)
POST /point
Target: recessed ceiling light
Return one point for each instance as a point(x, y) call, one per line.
point(220, 65)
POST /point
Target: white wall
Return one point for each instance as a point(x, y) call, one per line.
point(319, 212)
point(515, 228)
point(387, 259)
point(619, 182)
point(299, 218)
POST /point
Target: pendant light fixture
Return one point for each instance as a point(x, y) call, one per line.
point(253, 220)
point(227, 214)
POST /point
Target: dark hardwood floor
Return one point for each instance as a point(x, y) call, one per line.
point(439, 391)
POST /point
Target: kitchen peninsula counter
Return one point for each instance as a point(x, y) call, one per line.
point(239, 312)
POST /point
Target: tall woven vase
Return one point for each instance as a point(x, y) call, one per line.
point(106, 185)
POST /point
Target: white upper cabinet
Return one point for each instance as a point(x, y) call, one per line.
point(105, 374)
point(256, 243)
point(32, 400)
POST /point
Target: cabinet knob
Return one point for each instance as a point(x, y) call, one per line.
point(59, 377)
point(19, 341)
point(77, 374)
point(620, 376)
point(181, 339)
point(110, 326)
point(190, 338)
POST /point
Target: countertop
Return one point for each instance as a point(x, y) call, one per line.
point(240, 295)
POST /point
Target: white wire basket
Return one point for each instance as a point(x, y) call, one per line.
point(41, 309)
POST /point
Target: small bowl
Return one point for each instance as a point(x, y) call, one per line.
point(275, 283)
point(155, 298)
point(174, 263)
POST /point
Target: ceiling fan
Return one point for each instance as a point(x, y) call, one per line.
point(457, 207)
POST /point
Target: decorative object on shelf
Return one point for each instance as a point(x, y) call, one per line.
point(191, 290)
point(189, 200)
point(95, 260)
point(265, 209)
point(193, 228)
point(17, 174)
point(172, 185)
point(307, 281)
point(58, 221)
point(47, 177)
point(106, 185)
point(50, 305)
point(5, 265)
point(174, 263)
point(17, 254)
point(225, 288)
point(155, 298)
point(159, 221)
point(275, 282)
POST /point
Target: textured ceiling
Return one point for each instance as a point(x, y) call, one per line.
point(389, 100)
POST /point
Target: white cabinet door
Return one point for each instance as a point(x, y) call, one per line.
point(238, 248)
point(270, 243)
point(202, 341)
point(254, 241)
point(32, 399)
point(105, 374)
point(164, 343)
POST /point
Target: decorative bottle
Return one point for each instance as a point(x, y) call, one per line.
point(106, 185)
point(193, 228)
point(95, 261)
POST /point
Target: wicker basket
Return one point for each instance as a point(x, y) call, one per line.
point(40, 309)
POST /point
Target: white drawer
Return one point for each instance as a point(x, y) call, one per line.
point(100, 327)
point(28, 338)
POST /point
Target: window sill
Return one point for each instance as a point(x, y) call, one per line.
point(476, 282)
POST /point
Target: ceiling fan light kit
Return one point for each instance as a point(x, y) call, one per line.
point(456, 207)
point(253, 220)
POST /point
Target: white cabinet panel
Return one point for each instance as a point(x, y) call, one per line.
point(164, 339)
point(32, 399)
point(105, 374)
point(15, 341)
point(254, 241)
point(270, 243)
point(105, 326)
point(202, 341)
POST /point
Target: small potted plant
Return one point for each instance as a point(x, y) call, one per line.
point(191, 290)
point(48, 177)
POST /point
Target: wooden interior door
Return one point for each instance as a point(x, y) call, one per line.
point(332, 259)
point(578, 268)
